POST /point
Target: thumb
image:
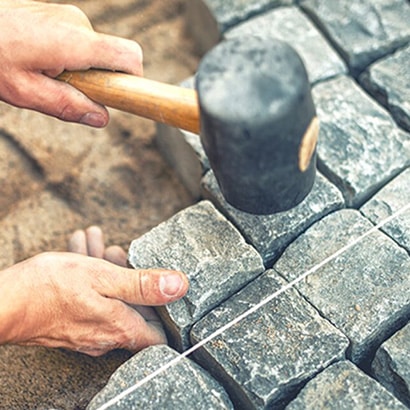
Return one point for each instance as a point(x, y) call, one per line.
point(150, 287)
point(58, 99)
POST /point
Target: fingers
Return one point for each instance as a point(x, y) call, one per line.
point(116, 255)
point(149, 287)
point(130, 331)
point(89, 242)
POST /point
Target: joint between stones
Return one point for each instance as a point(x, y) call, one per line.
point(308, 144)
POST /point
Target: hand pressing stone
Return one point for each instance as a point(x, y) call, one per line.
point(84, 300)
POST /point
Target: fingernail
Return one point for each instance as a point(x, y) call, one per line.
point(170, 284)
point(94, 119)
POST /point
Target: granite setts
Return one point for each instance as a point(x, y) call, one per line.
point(340, 335)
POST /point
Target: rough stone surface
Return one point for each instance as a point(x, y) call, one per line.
point(291, 25)
point(362, 31)
point(391, 365)
point(358, 153)
point(265, 357)
point(364, 291)
point(388, 81)
point(228, 13)
point(183, 386)
point(270, 234)
point(343, 386)
point(202, 243)
point(386, 202)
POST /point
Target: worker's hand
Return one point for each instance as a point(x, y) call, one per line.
point(38, 41)
point(83, 303)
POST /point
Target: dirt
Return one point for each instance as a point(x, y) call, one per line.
point(115, 178)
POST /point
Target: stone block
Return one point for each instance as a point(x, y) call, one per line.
point(390, 199)
point(362, 31)
point(183, 386)
point(363, 291)
point(391, 365)
point(360, 146)
point(200, 242)
point(343, 385)
point(289, 24)
point(270, 234)
point(388, 80)
point(264, 358)
point(209, 19)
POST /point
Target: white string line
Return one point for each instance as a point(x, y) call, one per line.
point(253, 309)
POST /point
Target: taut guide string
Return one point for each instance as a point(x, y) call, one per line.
point(253, 309)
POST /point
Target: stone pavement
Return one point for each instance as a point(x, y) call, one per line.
point(340, 337)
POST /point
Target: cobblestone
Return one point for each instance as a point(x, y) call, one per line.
point(391, 365)
point(362, 31)
point(202, 243)
point(387, 80)
point(358, 153)
point(344, 383)
point(183, 386)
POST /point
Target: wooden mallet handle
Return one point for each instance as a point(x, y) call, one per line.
point(165, 103)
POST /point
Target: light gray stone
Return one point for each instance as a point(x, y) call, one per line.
point(270, 234)
point(388, 81)
point(393, 197)
point(360, 146)
point(391, 365)
point(344, 386)
point(362, 31)
point(202, 243)
point(364, 290)
point(291, 25)
point(264, 358)
point(183, 386)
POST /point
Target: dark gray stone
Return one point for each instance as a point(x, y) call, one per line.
point(362, 31)
point(364, 291)
point(344, 386)
point(391, 365)
point(228, 13)
point(291, 25)
point(360, 146)
point(202, 243)
point(386, 202)
point(182, 386)
point(270, 234)
point(262, 359)
point(388, 81)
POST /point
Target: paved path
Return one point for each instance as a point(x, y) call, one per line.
point(338, 337)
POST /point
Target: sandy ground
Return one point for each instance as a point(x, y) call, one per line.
point(115, 178)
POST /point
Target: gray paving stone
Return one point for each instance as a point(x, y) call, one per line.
point(362, 31)
point(291, 25)
point(388, 81)
point(270, 234)
point(202, 243)
point(386, 202)
point(225, 13)
point(183, 386)
point(364, 291)
point(360, 146)
point(343, 386)
point(265, 357)
point(391, 365)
